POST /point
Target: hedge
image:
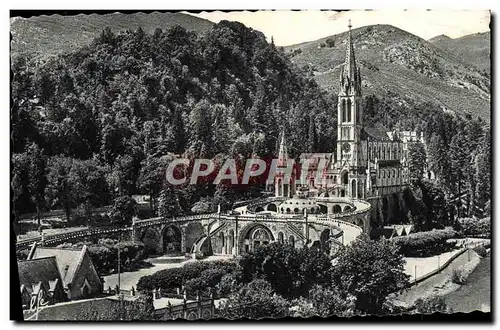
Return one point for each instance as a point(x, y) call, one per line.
point(194, 276)
point(426, 243)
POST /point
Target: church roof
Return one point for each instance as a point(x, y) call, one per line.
point(316, 157)
point(67, 260)
point(374, 134)
point(32, 272)
point(350, 77)
point(389, 163)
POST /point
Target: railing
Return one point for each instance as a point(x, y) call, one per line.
point(295, 230)
point(361, 207)
point(57, 238)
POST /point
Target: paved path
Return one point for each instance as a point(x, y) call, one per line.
point(435, 283)
point(475, 294)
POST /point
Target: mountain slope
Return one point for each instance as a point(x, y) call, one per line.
point(399, 65)
point(44, 35)
point(473, 49)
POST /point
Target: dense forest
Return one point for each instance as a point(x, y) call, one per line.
point(103, 122)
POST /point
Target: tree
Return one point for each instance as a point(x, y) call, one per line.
point(416, 160)
point(88, 183)
point(58, 191)
point(37, 176)
point(168, 202)
point(311, 135)
point(152, 176)
point(125, 174)
point(255, 300)
point(459, 161)
point(325, 302)
point(276, 263)
point(370, 271)
point(19, 183)
point(123, 210)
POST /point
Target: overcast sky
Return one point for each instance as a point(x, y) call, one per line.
point(292, 27)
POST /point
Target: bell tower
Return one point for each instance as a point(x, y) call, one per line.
point(349, 126)
point(349, 119)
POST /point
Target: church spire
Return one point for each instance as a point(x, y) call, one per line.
point(349, 75)
point(350, 59)
point(283, 152)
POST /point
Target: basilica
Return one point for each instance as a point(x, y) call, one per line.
point(367, 162)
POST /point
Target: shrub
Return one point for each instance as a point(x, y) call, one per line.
point(326, 302)
point(433, 304)
point(209, 278)
point(458, 276)
point(166, 279)
point(197, 275)
point(330, 42)
point(426, 243)
point(481, 251)
point(255, 300)
point(123, 210)
point(474, 227)
point(229, 283)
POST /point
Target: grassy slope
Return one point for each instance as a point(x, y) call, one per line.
point(393, 60)
point(49, 35)
point(473, 49)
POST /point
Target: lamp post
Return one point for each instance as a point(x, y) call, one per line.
point(120, 296)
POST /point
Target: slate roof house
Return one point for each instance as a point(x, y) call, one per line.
point(40, 277)
point(79, 276)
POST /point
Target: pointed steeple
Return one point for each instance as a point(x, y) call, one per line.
point(350, 82)
point(350, 58)
point(283, 152)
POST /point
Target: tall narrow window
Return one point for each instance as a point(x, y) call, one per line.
point(349, 110)
point(344, 109)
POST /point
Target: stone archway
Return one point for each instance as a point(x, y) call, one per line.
point(324, 238)
point(259, 209)
point(354, 189)
point(172, 240)
point(222, 243)
point(291, 240)
point(151, 237)
point(323, 209)
point(272, 207)
point(337, 209)
point(230, 242)
point(281, 237)
point(194, 230)
point(255, 235)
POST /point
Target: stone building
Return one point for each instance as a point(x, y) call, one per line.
point(367, 161)
point(40, 282)
point(78, 274)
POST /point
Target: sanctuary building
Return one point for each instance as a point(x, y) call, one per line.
point(367, 162)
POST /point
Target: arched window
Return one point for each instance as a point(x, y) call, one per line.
point(280, 237)
point(345, 177)
point(357, 112)
point(344, 110)
point(349, 110)
point(353, 189)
